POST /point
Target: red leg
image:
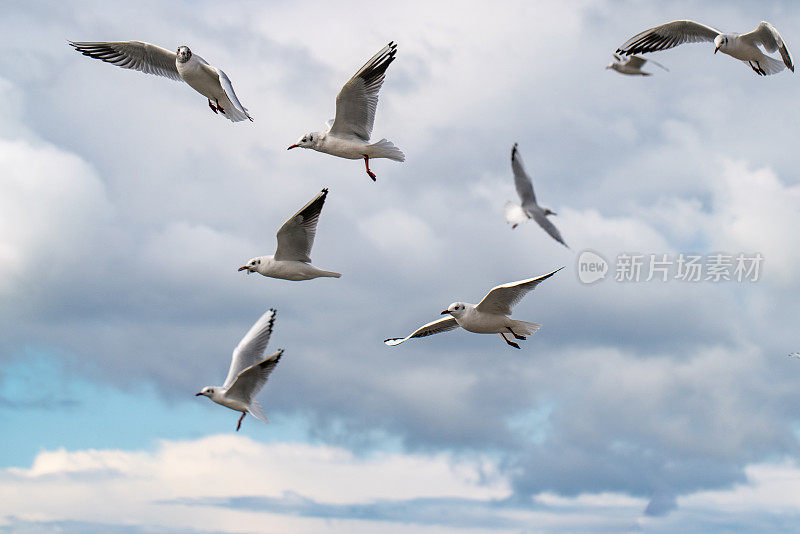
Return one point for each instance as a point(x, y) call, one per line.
point(219, 107)
point(366, 162)
point(212, 106)
point(239, 424)
point(509, 341)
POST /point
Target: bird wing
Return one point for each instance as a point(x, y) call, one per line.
point(296, 236)
point(636, 62)
point(521, 179)
point(251, 348)
point(514, 213)
point(548, 227)
point(358, 99)
point(501, 299)
point(667, 36)
point(434, 327)
point(249, 382)
point(136, 55)
point(235, 111)
point(767, 36)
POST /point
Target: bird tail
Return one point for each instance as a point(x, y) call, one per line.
point(770, 65)
point(257, 411)
point(330, 274)
point(524, 328)
point(386, 149)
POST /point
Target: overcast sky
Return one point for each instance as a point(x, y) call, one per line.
point(126, 207)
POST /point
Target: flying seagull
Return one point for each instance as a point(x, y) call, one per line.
point(207, 80)
point(516, 213)
point(292, 259)
point(489, 316)
point(632, 65)
point(347, 135)
point(248, 373)
point(740, 46)
point(795, 355)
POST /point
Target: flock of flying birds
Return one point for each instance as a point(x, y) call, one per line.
point(348, 136)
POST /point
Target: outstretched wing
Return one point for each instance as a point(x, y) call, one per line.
point(502, 298)
point(136, 55)
point(548, 227)
point(358, 99)
point(296, 236)
point(235, 111)
point(434, 327)
point(521, 179)
point(667, 36)
point(767, 36)
point(250, 349)
point(250, 381)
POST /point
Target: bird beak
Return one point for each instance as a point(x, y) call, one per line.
point(293, 146)
point(445, 312)
point(716, 49)
point(197, 394)
point(242, 268)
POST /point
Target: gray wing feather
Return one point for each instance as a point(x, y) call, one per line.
point(434, 327)
point(358, 99)
point(250, 381)
point(502, 298)
point(667, 36)
point(238, 112)
point(136, 55)
point(296, 236)
point(521, 179)
point(767, 36)
point(250, 349)
point(548, 226)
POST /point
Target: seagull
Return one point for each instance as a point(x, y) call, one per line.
point(248, 373)
point(632, 65)
point(292, 259)
point(489, 316)
point(347, 135)
point(207, 80)
point(795, 355)
point(740, 46)
point(516, 214)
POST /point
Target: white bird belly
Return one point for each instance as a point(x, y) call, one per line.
point(291, 270)
point(344, 148)
point(483, 323)
point(201, 80)
point(232, 404)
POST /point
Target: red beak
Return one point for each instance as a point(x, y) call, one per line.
point(293, 146)
point(242, 268)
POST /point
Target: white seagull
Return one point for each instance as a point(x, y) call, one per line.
point(207, 80)
point(489, 316)
point(795, 355)
point(516, 213)
point(743, 47)
point(292, 259)
point(248, 373)
point(632, 65)
point(347, 135)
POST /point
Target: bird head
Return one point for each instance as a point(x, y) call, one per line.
point(251, 266)
point(184, 54)
point(207, 391)
point(456, 309)
point(307, 141)
point(719, 42)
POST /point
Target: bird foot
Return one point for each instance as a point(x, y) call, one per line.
point(220, 108)
point(239, 424)
point(509, 341)
point(212, 106)
point(369, 172)
point(517, 336)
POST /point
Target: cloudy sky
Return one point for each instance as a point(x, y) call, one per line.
point(126, 207)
